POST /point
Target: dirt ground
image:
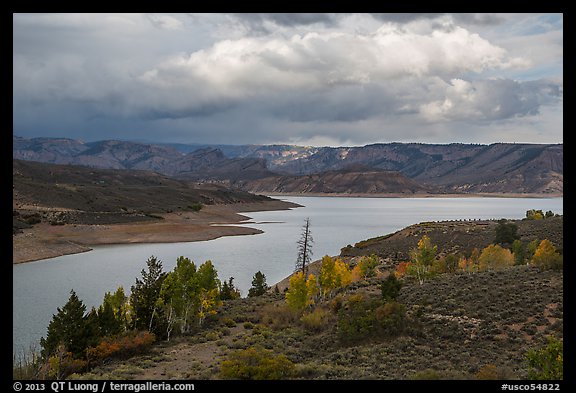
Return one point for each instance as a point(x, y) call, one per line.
point(213, 221)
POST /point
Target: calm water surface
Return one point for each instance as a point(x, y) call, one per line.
point(40, 287)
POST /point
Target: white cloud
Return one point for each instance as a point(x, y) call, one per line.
point(493, 99)
point(324, 78)
point(323, 59)
point(393, 59)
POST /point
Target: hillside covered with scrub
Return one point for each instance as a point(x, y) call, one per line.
point(444, 300)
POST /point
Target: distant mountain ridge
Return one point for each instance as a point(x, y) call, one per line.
point(417, 167)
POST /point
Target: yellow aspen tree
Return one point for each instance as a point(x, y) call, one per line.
point(494, 257)
point(422, 258)
point(343, 273)
point(302, 292)
point(208, 303)
point(296, 295)
point(312, 290)
point(327, 276)
point(545, 257)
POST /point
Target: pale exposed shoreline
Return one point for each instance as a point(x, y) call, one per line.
point(213, 221)
point(47, 241)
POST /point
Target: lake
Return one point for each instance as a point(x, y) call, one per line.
point(42, 286)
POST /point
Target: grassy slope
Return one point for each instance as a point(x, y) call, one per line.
point(459, 323)
point(81, 195)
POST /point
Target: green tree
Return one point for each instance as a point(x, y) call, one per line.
point(506, 232)
point(208, 284)
point(546, 363)
point(229, 291)
point(171, 300)
point(182, 292)
point(144, 296)
point(188, 295)
point(118, 301)
point(67, 328)
point(108, 324)
point(207, 276)
point(259, 286)
point(422, 259)
point(519, 251)
point(390, 287)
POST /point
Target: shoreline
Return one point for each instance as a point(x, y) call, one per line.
point(45, 241)
point(418, 195)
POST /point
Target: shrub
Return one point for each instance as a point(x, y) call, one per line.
point(487, 372)
point(32, 219)
point(279, 316)
point(61, 367)
point(428, 374)
point(229, 322)
point(360, 319)
point(391, 318)
point(256, 363)
point(402, 269)
point(127, 345)
point(546, 363)
point(196, 206)
point(336, 303)
point(316, 320)
point(60, 364)
point(212, 336)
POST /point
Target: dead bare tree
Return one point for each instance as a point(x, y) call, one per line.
point(304, 248)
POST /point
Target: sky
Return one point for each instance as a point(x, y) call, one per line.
point(304, 79)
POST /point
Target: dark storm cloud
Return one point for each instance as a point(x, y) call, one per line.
point(492, 99)
point(277, 77)
point(191, 112)
point(474, 19)
point(257, 20)
point(403, 17)
point(266, 23)
point(290, 19)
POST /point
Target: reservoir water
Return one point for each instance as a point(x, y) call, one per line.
point(42, 286)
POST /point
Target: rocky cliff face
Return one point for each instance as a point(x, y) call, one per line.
point(338, 182)
point(499, 167)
